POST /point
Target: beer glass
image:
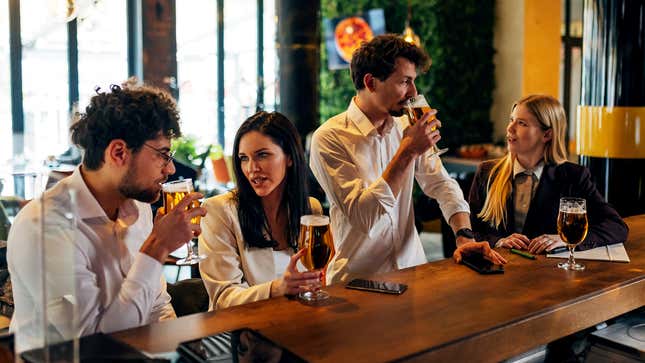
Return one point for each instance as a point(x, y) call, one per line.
point(572, 227)
point(173, 193)
point(315, 237)
point(416, 108)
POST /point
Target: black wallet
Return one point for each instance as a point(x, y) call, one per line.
point(235, 346)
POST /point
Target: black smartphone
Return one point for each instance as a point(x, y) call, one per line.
point(377, 286)
point(478, 263)
point(235, 346)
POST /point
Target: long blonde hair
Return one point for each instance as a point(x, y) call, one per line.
point(550, 114)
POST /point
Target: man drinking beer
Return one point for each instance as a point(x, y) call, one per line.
point(366, 161)
point(118, 251)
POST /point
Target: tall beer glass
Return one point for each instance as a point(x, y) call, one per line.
point(572, 227)
point(173, 193)
point(315, 237)
point(417, 107)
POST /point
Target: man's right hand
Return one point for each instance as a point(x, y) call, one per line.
point(173, 229)
point(482, 248)
point(418, 138)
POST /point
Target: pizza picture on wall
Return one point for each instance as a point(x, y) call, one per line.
point(349, 34)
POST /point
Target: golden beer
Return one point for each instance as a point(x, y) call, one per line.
point(417, 113)
point(315, 236)
point(173, 193)
point(171, 199)
point(572, 227)
point(416, 108)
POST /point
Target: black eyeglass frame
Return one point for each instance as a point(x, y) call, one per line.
point(168, 157)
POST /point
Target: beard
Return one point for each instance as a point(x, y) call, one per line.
point(130, 189)
point(398, 112)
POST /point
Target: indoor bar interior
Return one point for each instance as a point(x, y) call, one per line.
point(322, 181)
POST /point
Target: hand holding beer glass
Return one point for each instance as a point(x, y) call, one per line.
point(572, 227)
point(315, 237)
point(416, 108)
point(173, 193)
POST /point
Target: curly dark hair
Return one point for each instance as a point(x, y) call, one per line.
point(295, 198)
point(378, 57)
point(133, 114)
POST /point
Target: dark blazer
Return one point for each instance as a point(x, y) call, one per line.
point(564, 180)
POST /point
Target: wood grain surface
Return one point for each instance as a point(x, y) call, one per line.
point(448, 313)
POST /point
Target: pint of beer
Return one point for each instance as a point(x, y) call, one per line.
point(416, 108)
point(175, 191)
point(315, 237)
point(572, 227)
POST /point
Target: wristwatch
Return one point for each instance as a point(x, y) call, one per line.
point(465, 232)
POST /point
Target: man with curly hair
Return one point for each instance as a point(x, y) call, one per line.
point(367, 158)
point(115, 247)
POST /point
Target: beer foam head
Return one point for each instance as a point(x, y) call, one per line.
point(314, 220)
point(573, 205)
point(418, 101)
point(178, 186)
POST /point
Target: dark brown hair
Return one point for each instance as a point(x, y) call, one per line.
point(378, 57)
point(132, 114)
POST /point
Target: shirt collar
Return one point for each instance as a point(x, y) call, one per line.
point(518, 168)
point(364, 125)
point(88, 207)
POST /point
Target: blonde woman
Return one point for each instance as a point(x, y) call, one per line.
point(514, 200)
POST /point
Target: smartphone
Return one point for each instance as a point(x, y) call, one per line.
point(478, 263)
point(377, 286)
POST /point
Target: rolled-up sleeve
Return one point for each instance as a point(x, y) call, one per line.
point(437, 184)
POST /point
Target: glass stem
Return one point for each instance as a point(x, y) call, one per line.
point(572, 261)
point(190, 250)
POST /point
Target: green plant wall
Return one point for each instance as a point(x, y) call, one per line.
point(458, 35)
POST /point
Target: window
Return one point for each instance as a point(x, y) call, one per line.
point(271, 84)
point(102, 48)
point(5, 86)
point(44, 81)
point(240, 64)
point(197, 65)
point(571, 66)
point(197, 68)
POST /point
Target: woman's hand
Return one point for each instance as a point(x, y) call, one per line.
point(516, 240)
point(482, 248)
point(545, 242)
point(293, 281)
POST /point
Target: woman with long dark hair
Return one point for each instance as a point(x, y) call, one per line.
point(251, 233)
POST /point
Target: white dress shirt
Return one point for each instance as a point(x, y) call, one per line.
point(235, 273)
point(97, 264)
point(373, 229)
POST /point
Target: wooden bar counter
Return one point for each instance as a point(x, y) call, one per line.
point(448, 313)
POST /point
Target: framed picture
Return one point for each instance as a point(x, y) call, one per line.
point(343, 35)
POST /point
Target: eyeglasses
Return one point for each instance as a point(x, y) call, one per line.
point(166, 156)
